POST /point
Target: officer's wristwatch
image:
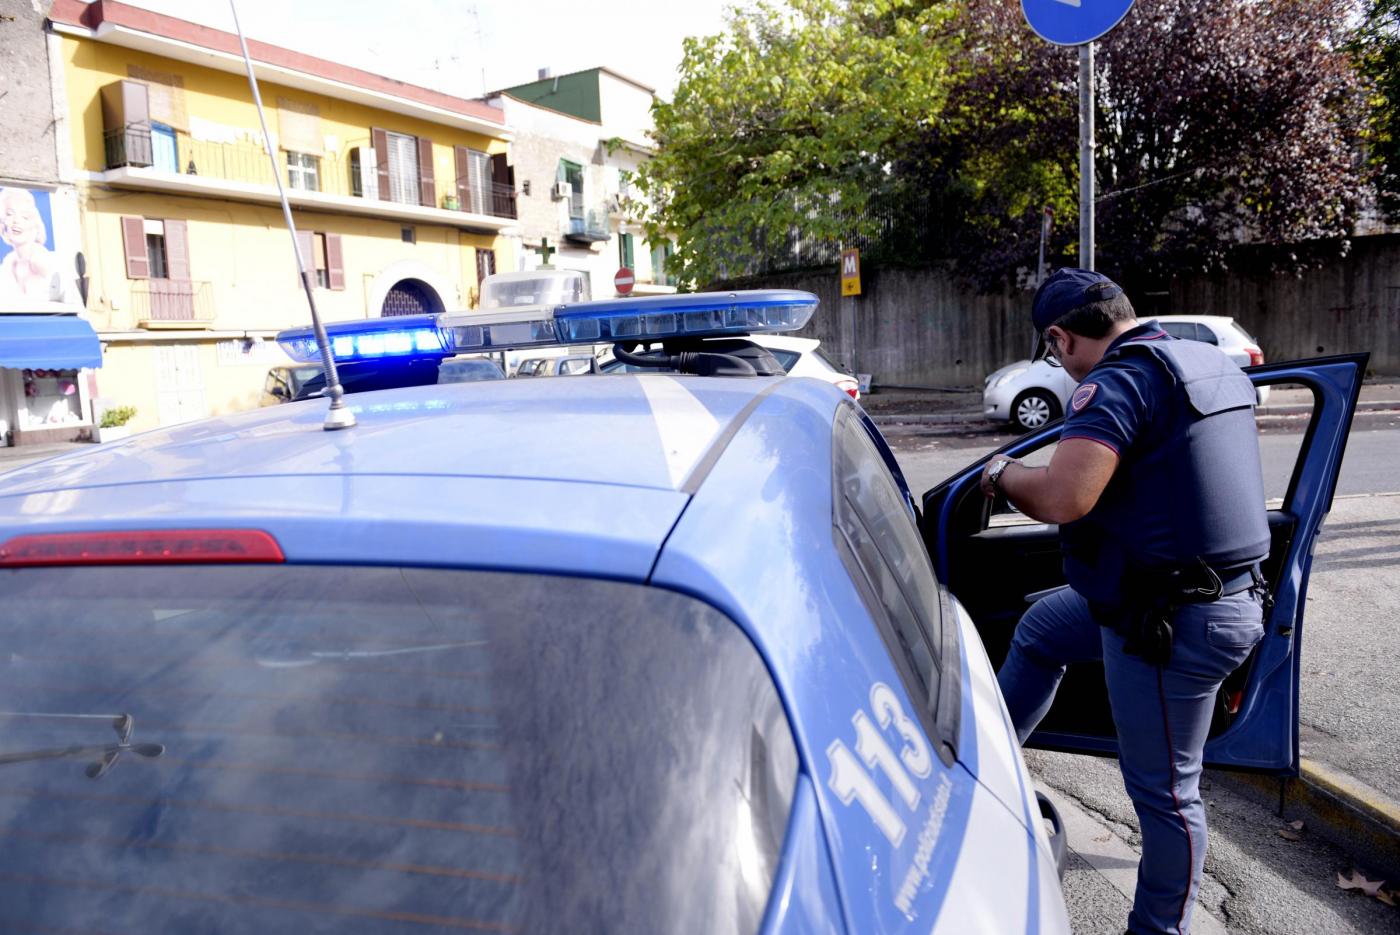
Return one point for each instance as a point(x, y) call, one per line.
point(994, 475)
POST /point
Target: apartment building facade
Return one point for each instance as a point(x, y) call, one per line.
point(400, 197)
point(48, 351)
point(578, 141)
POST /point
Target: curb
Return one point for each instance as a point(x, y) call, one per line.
point(1338, 808)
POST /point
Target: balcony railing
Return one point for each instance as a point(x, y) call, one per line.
point(590, 228)
point(172, 302)
point(494, 199)
point(136, 146)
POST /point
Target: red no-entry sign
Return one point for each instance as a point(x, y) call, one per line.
point(623, 281)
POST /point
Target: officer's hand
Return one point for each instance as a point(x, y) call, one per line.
point(987, 489)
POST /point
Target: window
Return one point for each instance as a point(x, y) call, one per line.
point(1204, 333)
point(408, 235)
point(485, 263)
point(660, 254)
point(1180, 329)
point(875, 534)
point(304, 172)
point(572, 173)
point(323, 273)
point(322, 252)
point(457, 743)
point(474, 188)
point(625, 257)
point(164, 153)
point(403, 169)
point(155, 249)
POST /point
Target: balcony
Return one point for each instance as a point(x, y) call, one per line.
point(172, 303)
point(139, 159)
point(590, 228)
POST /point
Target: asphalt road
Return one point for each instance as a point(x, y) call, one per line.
point(1257, 881)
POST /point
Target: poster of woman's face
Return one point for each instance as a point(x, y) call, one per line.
point(29, 268)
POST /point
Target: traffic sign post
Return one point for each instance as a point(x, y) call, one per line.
point(623, 281)
point(1079, 23)
point(850, 288)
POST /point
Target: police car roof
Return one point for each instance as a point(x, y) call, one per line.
point(584, 475)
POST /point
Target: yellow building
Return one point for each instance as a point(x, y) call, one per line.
point(399, 195)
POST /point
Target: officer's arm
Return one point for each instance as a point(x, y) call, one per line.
point(1065, 489)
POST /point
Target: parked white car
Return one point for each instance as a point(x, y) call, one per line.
point(800, 357)
point(1029, 394)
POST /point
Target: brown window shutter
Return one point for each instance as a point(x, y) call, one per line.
point(306, 245)
point(464, 198)
point(138, 262)
point(335, 262)
point(379, 139)
point(503, 186)
point(427, 188)
point(177, 251)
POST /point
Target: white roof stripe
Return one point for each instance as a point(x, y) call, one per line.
point(684, 426)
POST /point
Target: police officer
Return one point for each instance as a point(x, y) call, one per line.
point(1157, 488)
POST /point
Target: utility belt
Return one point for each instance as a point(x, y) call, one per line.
point(1152, 595)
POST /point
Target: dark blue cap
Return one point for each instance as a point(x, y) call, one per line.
point(1066, 290)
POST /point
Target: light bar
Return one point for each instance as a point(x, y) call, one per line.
point(648, 318)
point(370, 339)
point(694, 315)
point(522, 327)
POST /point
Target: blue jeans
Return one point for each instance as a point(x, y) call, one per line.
point(1162, 716)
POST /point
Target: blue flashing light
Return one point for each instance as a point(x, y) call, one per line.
point(698, 315)
point(405, 336)
point(648, 318)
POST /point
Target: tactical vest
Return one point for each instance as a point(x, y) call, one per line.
point(1190, 486)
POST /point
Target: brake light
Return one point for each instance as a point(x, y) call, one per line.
point(1256, 356)
point(851, 387)
point(138, 547)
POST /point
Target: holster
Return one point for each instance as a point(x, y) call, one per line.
point(1150, 597)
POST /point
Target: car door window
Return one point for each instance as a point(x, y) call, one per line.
point(1203, 333)
point(879, 543)
point(1186, 330)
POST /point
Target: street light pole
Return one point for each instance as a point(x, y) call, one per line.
point(1086, 156)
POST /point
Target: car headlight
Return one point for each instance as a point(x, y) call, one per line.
point(1005, 377)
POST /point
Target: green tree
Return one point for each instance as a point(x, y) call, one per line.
point(1377, 50)
point(1221, 123)
point(788, 121)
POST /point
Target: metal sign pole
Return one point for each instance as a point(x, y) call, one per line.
point(1086, 155)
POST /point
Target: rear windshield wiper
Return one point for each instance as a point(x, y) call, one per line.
point(106, 754)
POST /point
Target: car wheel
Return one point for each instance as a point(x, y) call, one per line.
point(1033, 409)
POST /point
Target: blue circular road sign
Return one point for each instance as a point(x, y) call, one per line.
point(1074, 22)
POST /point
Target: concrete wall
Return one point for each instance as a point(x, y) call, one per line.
point(1352, 304)
point(27, 147)
point(924, 328)
point(914, 327)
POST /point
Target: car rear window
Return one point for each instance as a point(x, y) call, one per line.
point(1247, 336)
point(785, 359)
point(307, 748)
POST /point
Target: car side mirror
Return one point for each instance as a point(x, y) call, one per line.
point(280, 392)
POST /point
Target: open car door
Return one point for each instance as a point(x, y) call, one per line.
point(991, 558)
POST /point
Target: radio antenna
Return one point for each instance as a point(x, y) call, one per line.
point(339, 416)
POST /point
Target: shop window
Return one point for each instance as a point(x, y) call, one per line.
point(51, 399)
point(625, 256)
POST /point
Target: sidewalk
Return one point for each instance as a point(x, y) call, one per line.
point(17, 457)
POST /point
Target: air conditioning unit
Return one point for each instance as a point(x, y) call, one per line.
point(562, 190)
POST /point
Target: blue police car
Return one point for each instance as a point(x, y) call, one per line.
point(631, 653)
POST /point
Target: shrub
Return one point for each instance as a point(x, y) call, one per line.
point(117, 415)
